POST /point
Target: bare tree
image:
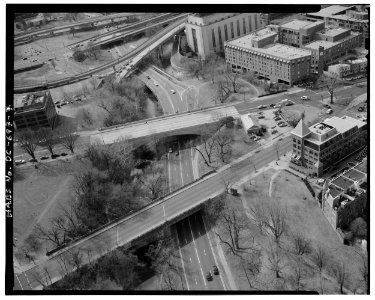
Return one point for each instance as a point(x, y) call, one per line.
point(224, 141)
point(92, 49)
point(154, 181)
point(28, 141)
point(275, 259)
point(341, 274)
point(67, 137)
point(330, 82)
point(72, 31)
point(208, 147)
point(53, 64)
point(320, 259)
point(47, 138)
point(301, 243)
point(231, 79)
point(298, 274)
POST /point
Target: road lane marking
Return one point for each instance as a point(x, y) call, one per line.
point(19, 282)
point(190, 259)
point(204, 251)
point(196, 250)
point(28, 280)
point(212, 249)
point(182, 261)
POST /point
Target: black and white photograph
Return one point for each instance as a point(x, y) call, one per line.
point(165, 148)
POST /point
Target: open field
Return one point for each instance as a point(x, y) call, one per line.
point(302, 215)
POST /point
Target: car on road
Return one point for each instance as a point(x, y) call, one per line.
point(64, 154)
point(284, 100)
point(281, 122)
point(44, 157)
point(277, 118)
point(305, 98)
point(272, 105)
point(173, 91)
point(274, 131)
point(327, 106)
point(329, 111)
point(156, 84)
point(62, 104)
point(209, 276)
point(148, 77)
point(278, 106)
point(261, 117)
point(360, 109)
point(24, 58)
point(289, 103)
point(32, 160)
point(283, 125)
point(215, 270)
point(57, 102)
point(261, 106)
point(19, 162)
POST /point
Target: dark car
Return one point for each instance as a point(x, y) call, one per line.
point(277, 119)
point(209, 276)
point(327, 106)
point(261, 117)
point(148, 77)
point(57, 102)
point(55, 156)
point(272, 105)
point(360, 109)
point(289, 103)
point(44, 157)
point(64, 154)
point(32, 160)
point(215, 270)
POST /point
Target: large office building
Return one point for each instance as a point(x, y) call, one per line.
point(350, 17)
point(34, 110)
point(206, 33)
point(259, 52)
point(318, 147)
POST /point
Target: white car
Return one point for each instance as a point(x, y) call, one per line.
point(278, 106)
point(284, 100)
point(257, 138)
point(261, 106)
point(305, 98)
point(156, 84)
point(19, 162)
point(173, 91)
point(329, 111)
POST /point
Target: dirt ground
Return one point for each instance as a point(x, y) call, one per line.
point(304, 215)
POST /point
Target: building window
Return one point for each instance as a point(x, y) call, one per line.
point(213, 38)
point(226, 32)
point(244, 25)
point(194, 40)
point(220, 39)
point(238, 28)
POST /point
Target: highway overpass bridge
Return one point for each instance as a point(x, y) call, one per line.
point(171, 125)
point(130, 228)
point(154, 41)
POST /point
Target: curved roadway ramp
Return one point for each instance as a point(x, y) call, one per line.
point(182, 123)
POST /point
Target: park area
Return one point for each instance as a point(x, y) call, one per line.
point(264, 262)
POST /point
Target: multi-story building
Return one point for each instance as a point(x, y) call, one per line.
point(317, 148)
point(260, 53)
point(206, 33)
point(330, 45)
point(352, 17)
point(351, 67)
point(34, 110)
point(266, 19)
point(297, 32)
point(344, 197)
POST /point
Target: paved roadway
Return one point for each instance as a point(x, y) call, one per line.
point(174, 124)
point(149, 218)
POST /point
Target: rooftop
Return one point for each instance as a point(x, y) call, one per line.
point(362, 166)
point(330, 10)
point(245, 40)
point(301, 129)
point(348, 18)
point(342, 182)
point(316, 44)
point(334, 191)
point(334, 31)
point(29, 101)
point(297, 24)
point(320, 128)
point(354, 175)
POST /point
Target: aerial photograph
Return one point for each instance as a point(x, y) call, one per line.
point(186, 152)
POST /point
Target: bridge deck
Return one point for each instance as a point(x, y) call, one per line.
point(172, 124)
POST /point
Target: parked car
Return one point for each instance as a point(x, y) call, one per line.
point(261, 106)
point(281, 122)
point(274, 131)
point(283, 125)
point(284, 100)
point(170, 150)
point(148, 77)
point(278, 106)
point(289, 103)
point(55, 156)
point(257, 138)
point(305, 98)
point(272, 105)
point(360, 109)
point(215, 270)
point(44, 157)
point(327, 106)
point(177, 153)
point(62, 104)
point(209, 276)
point(156, 84)
point(58, 105)
point(261, 117)
point(173, 91)
point(277, 118)
point(64, 154)
point(32, 160)
point(19, 162)
point(329, 111)
point(57, 102)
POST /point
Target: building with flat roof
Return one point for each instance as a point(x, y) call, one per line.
point(350, 17)
point(344, 197)
point(206, 33)
point(320, 146)
point(259, 52)
point(34, 110)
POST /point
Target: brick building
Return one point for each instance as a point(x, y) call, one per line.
point(206, 33)
point(320, 146)
point(259, 52)
point(34, 110)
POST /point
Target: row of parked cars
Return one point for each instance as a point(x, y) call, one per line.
point(44, 157)
point(285, 102)
point(66, 101)
point(209, 276)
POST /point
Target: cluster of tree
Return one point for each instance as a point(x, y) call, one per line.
point(46, 137)
point(91, 50)
point(123, 102)
point(104, 190)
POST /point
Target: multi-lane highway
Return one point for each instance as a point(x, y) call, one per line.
point(50, 269)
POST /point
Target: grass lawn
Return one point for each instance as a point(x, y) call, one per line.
point(303, 215)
